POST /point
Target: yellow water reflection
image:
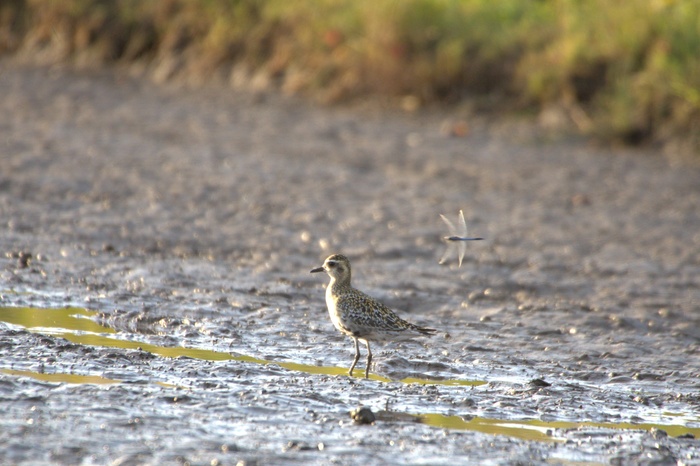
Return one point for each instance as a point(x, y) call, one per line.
point(525, 430)
point(61, 378)
point(541, 430)
point(71, 318)
point(446, 382)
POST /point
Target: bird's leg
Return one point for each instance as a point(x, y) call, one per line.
point(369, 359)
point(357, 356)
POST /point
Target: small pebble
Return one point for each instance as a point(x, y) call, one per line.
point(362, 415)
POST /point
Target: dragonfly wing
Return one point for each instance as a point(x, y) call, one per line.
point(461, 225)
point(461, 249)
point(448, 252)
point(450, 226)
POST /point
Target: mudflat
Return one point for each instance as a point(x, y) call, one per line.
point(157, 306)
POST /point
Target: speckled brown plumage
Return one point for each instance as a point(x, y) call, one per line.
point(360, 316)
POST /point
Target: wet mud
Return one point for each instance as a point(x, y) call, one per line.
point(156, 305)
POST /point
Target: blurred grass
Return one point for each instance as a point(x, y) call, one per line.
point(624, 70)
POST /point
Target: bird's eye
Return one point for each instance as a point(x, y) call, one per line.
point(331, 264)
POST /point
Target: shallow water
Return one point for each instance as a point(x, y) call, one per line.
point(80, 326)
point(157, 306)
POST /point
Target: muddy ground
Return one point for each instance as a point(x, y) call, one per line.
point(181, 226)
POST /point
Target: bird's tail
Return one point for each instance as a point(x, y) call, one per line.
point(424, 330)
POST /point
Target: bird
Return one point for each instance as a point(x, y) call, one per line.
point(360, 316)
point(457, 236)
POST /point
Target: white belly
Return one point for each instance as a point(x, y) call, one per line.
point(334, 313)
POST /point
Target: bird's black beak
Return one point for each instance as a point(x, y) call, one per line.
point(317, 269)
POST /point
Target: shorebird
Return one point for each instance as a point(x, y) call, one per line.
point(360, 316)
point(458, 237)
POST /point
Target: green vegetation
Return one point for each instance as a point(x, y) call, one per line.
point(628, 70)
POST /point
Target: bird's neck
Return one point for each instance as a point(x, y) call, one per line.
point(342, 282)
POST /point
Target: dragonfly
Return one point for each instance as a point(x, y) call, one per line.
point(457, 239)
